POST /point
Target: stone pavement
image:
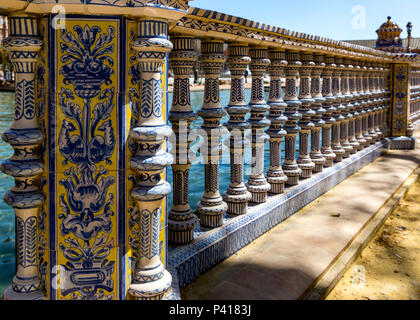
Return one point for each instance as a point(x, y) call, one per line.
point(285, 263)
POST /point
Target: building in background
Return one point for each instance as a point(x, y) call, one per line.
point(389, 39)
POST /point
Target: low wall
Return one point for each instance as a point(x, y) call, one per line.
point(211, 247)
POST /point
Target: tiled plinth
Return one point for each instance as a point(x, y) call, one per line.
point(210, 247)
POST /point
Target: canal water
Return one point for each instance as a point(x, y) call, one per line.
point(7, 220)
point(7, 217)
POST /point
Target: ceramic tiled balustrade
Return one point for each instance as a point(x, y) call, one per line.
point(92, 122)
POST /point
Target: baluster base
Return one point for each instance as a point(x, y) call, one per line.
point(307, 166)
point(319, 162)
point(237, 204)
point(181, 232)
point(25, 289)
point(258, 189)
point(277, 183)
point(153, 290)
point(211, 216)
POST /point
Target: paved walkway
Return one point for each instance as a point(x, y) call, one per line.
point(285, 262)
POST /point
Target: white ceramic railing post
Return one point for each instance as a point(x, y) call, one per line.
point(150, 279)
point(326, 149)
point(359, 106)
point(290, 166)
point(275, 175)
point(316, 90)
point(181, 219)
point(257, 183)
point(211, 208)
point(25, 165)
point(304, 160)
point(237, 195)
point(338, 112)
point(352, 106)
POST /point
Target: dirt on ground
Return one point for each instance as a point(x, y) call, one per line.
point(389, 267)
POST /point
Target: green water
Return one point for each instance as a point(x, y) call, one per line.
point(7, 220)
point(7, 217)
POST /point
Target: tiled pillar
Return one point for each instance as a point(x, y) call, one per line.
point(212, 207)
point(326, 150)
point(359, 106)
point(346, 101)
point(352, 106)
point(237, 195)
point(304, 161)
point(275, 175)
point(25, 165)
point(150, 280)
point(387, 84)
point(400, 129)
point(290, 167)
point(181, 219)
point(338, 112)
point(257, 183)
point(317, 106)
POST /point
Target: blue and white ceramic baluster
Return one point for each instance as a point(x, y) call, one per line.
point(366, 104)
point(304, 161)
point(338, 113)
point(317, 106)
point(290, 167)
point(375, 103)
point(275, 175)
point(181, 219)
point(359, 106)
point(257, 183)
point(211, 206)
point(380, 101)
point(352, 106)
point(150, 279)
point(237, 195)
point(384, 100)
point(345, 125)
point(25, 165)
point(326, 149)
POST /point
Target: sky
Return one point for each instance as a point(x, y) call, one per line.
point(335, 19)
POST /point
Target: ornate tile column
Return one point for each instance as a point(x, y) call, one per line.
point(275, 175)
point(150, 280)
point(237, 195)
point(400, 130)
point(25, 165)
point(345, 125)
point(359, 107)
point(304, 161)
point(181, 219)
point(257, 184)
point(290, 167)
point(352, 105)
point(317, 106)
point(212, 207)
point(326, 150)
point(339, 110)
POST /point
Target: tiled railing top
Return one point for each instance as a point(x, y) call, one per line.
point(226, 23)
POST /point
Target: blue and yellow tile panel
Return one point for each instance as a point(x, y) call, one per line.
point(87, 91)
